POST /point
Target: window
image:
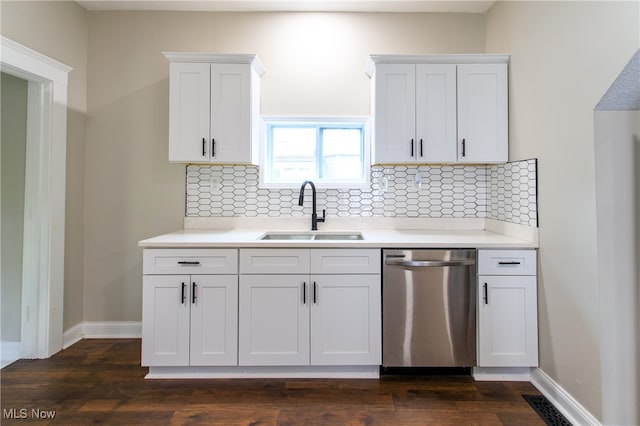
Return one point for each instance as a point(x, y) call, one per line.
point(331, 153)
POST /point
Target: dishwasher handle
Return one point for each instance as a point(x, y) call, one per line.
point(394, 261)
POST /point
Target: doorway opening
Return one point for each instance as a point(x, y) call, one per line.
point(44, 197)
point(13, 93)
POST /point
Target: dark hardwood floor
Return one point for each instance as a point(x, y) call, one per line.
point(101, 382)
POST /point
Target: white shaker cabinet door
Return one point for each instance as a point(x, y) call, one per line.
point(274, 320)
point(214, 320)
point(436, 113)
point(189, 108)
point(345, 320)
point(394, 114)
point(231, 113)
point(165, 320)
point(482, 113)
point(507, 321)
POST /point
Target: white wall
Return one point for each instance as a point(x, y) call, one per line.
point(58, 29)
point(617, 149)
point(315, 65)
point(564, 56)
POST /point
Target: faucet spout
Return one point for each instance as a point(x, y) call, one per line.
point(314, 215)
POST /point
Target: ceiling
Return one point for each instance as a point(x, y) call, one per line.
point(406, 6)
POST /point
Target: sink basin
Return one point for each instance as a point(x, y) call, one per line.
point(335, 236)
point(274, 236)
point(350, 237)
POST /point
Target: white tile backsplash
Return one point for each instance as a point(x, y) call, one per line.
point(504, 192)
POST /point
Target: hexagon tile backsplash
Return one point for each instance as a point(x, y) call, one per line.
point(505, 192)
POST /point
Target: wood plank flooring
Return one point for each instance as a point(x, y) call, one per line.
point(101, 382)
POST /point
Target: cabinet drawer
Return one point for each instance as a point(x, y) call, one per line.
point(345, 261)
point(274, 261)
point(506, 262)
point(190, 261)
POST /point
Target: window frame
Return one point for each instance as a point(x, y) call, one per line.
point(318, 122)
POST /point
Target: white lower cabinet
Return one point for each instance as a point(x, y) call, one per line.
point(189, 320)
point(345, 320)
point(329, 316)
point(190, 307)
point(274, 320)
point(507, 311)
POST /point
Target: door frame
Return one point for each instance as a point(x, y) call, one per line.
point(45, 173)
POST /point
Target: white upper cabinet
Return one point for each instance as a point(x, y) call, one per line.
point(482, 113)
point(214, 108)
point(436, 113)
point(439, 109)
point(394, 112)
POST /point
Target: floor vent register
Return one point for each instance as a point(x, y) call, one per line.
point(546, 410)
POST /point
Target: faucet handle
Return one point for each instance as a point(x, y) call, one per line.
point(323, 216)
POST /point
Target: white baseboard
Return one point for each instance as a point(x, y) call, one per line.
point(570, 408)
point(72, 336)
point(9, 352)
point(102, 330)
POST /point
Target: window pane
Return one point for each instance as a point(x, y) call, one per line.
point(331, 153)
point(293, 153)
point(342, 154)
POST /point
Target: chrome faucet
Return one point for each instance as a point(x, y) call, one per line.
point(314, 215)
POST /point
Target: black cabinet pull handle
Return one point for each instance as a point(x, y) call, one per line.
point(304, 293)
point(184, 297)
point(193, 292)
point(464, 147)
point(315, 299)
point(411, 148)
point(213, 147)
point(421, 148)
point(188, 262)
point(486, 294)
point(509, 263)
point(204, 147)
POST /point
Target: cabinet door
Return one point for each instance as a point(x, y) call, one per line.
point(482, 113)
point(507, 321)
point(214, 320)
point(231, 113)
point(274, 320)
point(436, 113)
point(394, 112)
point(165, 320)
point(189, 91)
point(345, 320)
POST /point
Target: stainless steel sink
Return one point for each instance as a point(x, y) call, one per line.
point(350, 237)
point(335, 236)
point(277, 236)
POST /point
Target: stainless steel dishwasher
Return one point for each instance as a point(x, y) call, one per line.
point(429, 308)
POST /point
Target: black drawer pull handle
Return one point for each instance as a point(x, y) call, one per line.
point(486, 294)
point(184, 297)
point(213, 147)
point(411, 148)
point(193, 292)
point(464, 147)
point(304, 293)
point(315, 299)
point(204, 144)
point(421, 148)
point(185, 262)
point(509, 263)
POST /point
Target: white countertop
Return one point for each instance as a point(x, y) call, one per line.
point(402, 238)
